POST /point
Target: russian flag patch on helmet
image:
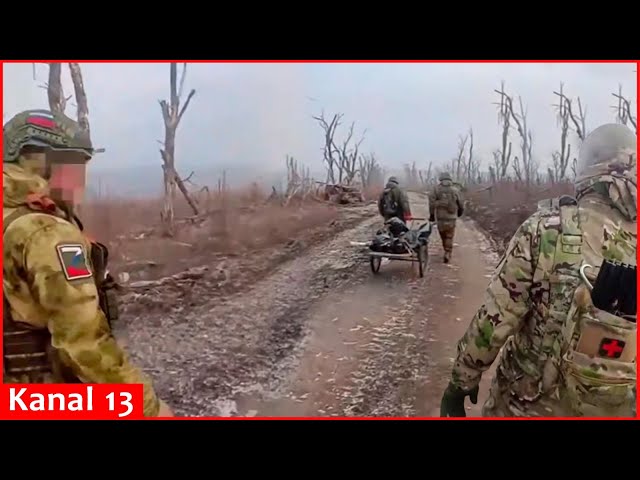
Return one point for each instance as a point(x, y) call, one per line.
point(41, 119)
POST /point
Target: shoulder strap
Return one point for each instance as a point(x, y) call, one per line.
point(564, 273)
point(20, 211)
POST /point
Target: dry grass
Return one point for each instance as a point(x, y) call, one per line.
point(502, 209)
point(234, 223)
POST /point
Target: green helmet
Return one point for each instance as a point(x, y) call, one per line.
point(444, 176)
point(42, 128)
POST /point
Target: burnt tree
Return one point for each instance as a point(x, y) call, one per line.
point(502, 156)
point(341, 162)
point(524, 167)
point(624, 112)
point(172, 113)
point(561, 157)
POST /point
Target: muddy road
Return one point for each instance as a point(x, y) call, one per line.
point(321, 335)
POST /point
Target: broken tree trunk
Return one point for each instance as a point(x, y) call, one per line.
point(172, 114)
point(81, 97)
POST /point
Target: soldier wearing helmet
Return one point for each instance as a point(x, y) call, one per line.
point(445, 206)
point(394, 202)
point(58, 297)
point(566, 350)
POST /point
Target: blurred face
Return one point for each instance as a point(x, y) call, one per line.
point(65, 170)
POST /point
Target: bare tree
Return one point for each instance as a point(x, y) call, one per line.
point(426, 175)
point(82, 105)
point(172, 114)
point(524, 171)
point(344, 159)
point(562, 156)
point(624, 112)
point(579, 118)
point(329, 153)
point(348, 157)
point(460, 159)
point(502, 156)
point(370, 170)
point(55, 92)
point(472, 167)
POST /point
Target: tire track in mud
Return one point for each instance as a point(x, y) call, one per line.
point(321, 335)
point(384, 346)
point(202, 356)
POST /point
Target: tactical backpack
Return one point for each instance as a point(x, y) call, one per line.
point(446, 199)
point(389, 205)
point(27, 351)
point(590, 353)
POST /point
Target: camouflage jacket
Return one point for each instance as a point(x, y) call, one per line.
point(517, 313)
point(49, 286)
point(445, 201)
point(399, 197)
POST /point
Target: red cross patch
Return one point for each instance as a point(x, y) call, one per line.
point(611, 348)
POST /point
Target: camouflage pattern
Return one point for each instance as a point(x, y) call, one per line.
point(444, 200)
point(538, 312)
point(447, 230)
point(40, 297)
point(399, 196)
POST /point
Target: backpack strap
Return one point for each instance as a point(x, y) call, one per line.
point(563, 280)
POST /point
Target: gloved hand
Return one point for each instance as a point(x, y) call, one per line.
point(432, 218)
point(460, 211)
point(452, 403)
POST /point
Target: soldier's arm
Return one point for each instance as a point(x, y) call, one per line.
point(460, 204)
point(79, 329)
point(404, 201)
point(506, 304)
point(432, 203)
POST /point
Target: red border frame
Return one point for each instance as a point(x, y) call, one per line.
point(339, 61)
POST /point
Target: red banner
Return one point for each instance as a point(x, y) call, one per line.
point(70, 402)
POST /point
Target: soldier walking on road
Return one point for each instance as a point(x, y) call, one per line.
point(562, 301)
point(445, 206)
point(59, 299)
point(394, 201)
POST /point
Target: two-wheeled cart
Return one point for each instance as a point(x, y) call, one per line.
point(415, 246)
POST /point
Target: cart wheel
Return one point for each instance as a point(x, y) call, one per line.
point(423, 259)
point(375, 263)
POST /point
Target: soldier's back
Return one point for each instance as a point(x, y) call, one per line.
point(564, 236)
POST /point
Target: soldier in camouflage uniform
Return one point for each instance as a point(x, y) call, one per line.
point(57, 299)
point(394, 201)
point(562, 356)
point(445, 206)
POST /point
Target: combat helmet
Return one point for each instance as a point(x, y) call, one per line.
point(42, 128)
point(607, 166)
point(609, 149)
point(444, 176)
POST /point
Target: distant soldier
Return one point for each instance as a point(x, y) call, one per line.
point(445, 206)
point(394, 202)
point(58, 297)
point(562, 301)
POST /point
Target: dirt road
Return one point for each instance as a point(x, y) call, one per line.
point(322, 335)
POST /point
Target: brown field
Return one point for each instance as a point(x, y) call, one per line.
point(500, 210)
point(242, 225)
point(255, 308)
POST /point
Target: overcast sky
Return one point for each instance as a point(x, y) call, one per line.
point(255, 114)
